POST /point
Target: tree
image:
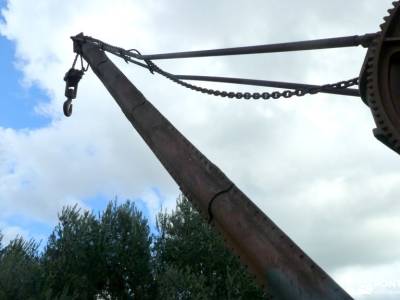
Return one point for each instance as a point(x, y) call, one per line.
point(112, 256)
point(183, 284)
point(109, 256)
point(187, 245)
point(73, 259)
point(126, 241)
point(20, 270)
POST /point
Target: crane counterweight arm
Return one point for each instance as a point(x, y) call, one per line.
point(278, 263)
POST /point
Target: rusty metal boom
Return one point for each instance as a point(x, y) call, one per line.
point(279, 265)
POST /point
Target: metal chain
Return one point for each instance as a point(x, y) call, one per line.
point(256, 96)
point(128, 56)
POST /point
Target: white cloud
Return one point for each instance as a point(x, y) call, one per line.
point(311, 164)
point(372, 283)
point(11, 232)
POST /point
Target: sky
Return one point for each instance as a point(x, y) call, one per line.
point(311, 164)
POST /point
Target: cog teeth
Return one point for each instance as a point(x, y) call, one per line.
point(386, 132)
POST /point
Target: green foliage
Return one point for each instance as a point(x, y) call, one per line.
point(185, 240)
point(72, 260)
point(108, 256)
point(183, 284)
point(126, 240)
point(114, 256)
point(20, 270)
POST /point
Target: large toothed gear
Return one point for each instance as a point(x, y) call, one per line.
point(380, 80)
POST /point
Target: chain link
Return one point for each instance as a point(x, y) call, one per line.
point(256, 96)
point(128, 56)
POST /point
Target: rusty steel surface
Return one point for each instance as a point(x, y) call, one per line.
point(275, 84)
point(279, 265)
point(291, 89)
point(337, 42)
point(380, 80)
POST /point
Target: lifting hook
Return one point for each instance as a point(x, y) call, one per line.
point(72, 78)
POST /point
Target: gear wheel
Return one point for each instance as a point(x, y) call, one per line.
point(380, 80)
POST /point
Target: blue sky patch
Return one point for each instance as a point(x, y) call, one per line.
point(17, 102)
point(99, 202)
point(39, 231)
